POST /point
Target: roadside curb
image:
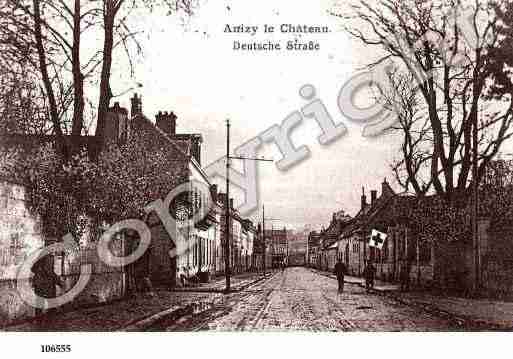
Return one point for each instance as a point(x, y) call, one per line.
point(177, 312)
point(462, 321)
point(141, 324)
point(234, 289)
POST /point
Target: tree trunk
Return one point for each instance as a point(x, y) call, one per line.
point(54, 116)
point(108, 44)
point(78, 81)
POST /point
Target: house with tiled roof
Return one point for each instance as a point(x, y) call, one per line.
point(197, 250)
point(352, 246)
point(329, 238)
point(433, 242)
point(169, 257)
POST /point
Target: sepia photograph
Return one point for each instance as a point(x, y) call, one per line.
point(228, 166)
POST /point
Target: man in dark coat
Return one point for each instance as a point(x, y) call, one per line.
point(340, 271)
point(369, 272)
point(404, 276)
point(44, 283)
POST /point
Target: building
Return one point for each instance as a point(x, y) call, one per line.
point(298, 245)
point(329, 241)
point(195, 247)
point(313, 248)
point(248, 242)
point(243, 235)
point(277, 240)
point(21, 232)
point(434, 260)
point(261, 251)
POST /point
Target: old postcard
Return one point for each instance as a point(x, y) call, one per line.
point(265, 166)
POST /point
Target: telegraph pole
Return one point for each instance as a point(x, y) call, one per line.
point(227, 208)
point(475, 205)
point(263, 235)
point(227, 211)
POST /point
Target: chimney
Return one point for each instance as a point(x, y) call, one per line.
point(374, 195)
point(116, 126)
point(386, 190)
point(136, 108)
point(363, 199)
point(221, 196)
point(213, 193)
point(166, 122)
point(196, 147)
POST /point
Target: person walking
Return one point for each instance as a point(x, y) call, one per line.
point(340, 271)
point(404, 276)
point(369, 272)
point(44, 282)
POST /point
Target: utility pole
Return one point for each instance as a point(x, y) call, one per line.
point(227, 211)
point(227, 208)
point(475, 205)
point(263, 235)
point(263, 231)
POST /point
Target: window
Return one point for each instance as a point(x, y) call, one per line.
point(207, 251)
point(400, 247)
point(384, 251)
point(15, 245)
point(196, 252)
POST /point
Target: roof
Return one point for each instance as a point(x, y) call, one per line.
point(176, 148)
point(332, 234)
point(370, 211)
point(182, 142)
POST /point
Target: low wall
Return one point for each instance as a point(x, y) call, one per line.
point(12, 307)
point(105, 284)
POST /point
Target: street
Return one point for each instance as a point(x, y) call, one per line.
point(300, 299)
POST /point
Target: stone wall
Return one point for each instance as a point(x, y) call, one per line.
point(12, 307)
point(106, 283)
point(497, 265)
point(20, 235)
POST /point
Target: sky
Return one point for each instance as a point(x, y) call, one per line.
point(189, 67)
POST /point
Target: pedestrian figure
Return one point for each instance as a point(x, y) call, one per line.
point(340, 271)
point(44, 283)
point(369, 272)
point(404, 276)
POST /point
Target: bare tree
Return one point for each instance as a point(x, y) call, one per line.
point(457, 71)
point(401, 98)
point(23, 107)
point(58, 29)
point(115, 25)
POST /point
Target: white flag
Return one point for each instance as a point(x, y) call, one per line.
point(377, 239)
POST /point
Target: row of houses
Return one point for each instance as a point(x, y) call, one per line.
point(171, 259)
point(298, 247)
point(481, 264)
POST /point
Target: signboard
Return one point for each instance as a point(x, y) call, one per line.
point(377, 239)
